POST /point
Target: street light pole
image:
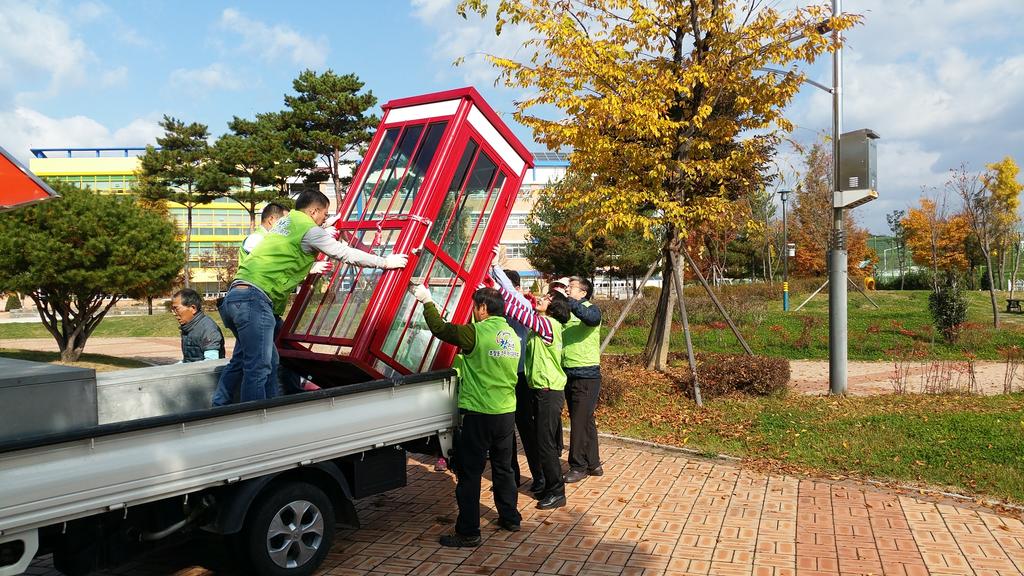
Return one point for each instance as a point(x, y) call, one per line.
point(837, 297)
point(785, 254)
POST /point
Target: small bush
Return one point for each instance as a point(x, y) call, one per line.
point(13, 303)
point(616, 377)
point(912, 280)
point(948, 307)
point(722, 374)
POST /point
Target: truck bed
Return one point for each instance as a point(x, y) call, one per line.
point(179, 449)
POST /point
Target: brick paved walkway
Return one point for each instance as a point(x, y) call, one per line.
point(659, 513)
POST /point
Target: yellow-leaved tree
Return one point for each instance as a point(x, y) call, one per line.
point(1001, 179)
point(661, 102)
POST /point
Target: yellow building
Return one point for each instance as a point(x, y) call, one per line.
point(222, 222)
point(549, 168)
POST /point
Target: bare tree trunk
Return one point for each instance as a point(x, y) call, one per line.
point(336, 178)
point(991, 288)
point(149, 304)
point(188, 245)
point(661, 327)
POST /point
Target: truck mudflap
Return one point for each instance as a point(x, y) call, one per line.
point(17, 551)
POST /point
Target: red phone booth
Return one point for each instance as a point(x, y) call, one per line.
point(437, 183)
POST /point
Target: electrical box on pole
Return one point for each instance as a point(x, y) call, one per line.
point(858, 169)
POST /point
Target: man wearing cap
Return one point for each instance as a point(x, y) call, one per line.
point(581, 360)
point(489, 359)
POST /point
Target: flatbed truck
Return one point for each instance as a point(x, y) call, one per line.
point(273, 477)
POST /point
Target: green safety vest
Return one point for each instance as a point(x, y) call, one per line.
point(582, 343)
point(279, 263)
point(544, 361)
point(242, 254)
point(488, 373)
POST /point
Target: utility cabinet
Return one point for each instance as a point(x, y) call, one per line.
point(437, 183)
point(42, 398)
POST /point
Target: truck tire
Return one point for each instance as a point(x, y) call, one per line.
point(289, 531)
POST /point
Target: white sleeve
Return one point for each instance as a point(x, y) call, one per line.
point(251, 242)
point(319, 240)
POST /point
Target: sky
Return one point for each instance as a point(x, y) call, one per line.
point(941, 81)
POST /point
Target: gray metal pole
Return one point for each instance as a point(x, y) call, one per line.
point(837, 289)
point(785, 256)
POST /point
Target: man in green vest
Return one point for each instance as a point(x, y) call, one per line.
point(260, 292)
point(581, 341)
point(271, 214)
point(489, 361)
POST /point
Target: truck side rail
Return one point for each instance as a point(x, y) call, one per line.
point(54, 478)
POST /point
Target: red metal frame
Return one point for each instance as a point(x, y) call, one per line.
point(413, 227)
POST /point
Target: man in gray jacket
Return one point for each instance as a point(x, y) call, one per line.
point(201, 338)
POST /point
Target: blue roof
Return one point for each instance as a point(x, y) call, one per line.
point(125, 151)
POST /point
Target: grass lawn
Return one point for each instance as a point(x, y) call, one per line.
point(99, 362)
point(159, 324)
point(971, 444)
point(901, 322)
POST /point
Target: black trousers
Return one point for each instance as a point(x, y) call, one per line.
point(547, 406)
point(527, 429)
point(581, 395)
point(482, 435)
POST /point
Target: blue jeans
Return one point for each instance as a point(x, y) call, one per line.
point(252, 370)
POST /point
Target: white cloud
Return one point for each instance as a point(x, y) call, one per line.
point(470, 39)
point(24, 128)
point(199, 81)
point(115, 76)
point(273, 42)
point(90, 11)
point(427, 10)
point(39, 53)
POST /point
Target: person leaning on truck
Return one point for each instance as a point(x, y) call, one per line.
point(489, 359)
point(268, 218)
point(261, 287)
point(201, 338)
point(581, 341)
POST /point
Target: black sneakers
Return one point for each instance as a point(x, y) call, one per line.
point(456, 540)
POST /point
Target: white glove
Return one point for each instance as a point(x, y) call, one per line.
point(329, 223)
point(321, 267)
point(393, 261)
point(421, 293)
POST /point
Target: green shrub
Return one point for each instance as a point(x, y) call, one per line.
point(13, 303)
point(722, 374)
point(948, 307)
point(912, 280)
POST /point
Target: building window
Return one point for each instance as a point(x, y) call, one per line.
point(517, 221)
point(516, 249)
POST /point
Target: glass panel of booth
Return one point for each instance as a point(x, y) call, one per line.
point(394, 171)
point(409, 341)
point(397, 171)
point(406, 195)
point(373, 174)
point(472, 203)
point(336, 304)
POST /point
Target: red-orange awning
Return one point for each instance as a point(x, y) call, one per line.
point(18, 186)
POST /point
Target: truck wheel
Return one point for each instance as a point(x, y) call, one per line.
point(289, 532)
